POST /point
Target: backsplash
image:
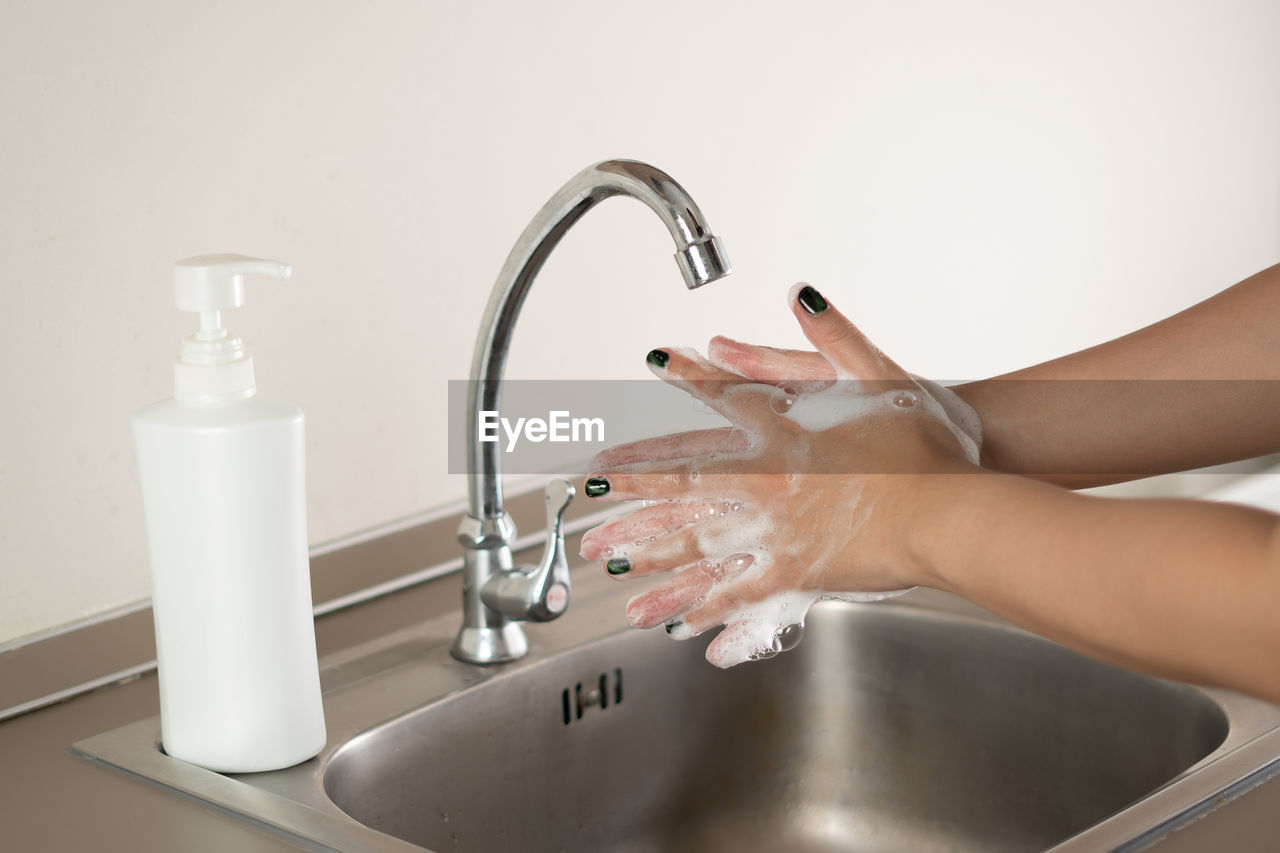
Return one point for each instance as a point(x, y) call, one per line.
point(979, 188)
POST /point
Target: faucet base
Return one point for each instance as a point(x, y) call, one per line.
point(485, 645)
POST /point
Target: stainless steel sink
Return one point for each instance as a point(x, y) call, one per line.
point(920, 724)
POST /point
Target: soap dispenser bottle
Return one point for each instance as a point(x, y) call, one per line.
point(223, 491)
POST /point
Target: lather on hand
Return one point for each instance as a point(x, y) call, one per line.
point(805, 497)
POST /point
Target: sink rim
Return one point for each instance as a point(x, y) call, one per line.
point(412, 668)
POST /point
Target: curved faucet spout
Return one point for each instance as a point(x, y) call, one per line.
point(495, 593)
point(699, 254)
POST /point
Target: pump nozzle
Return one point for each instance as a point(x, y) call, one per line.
point(214, 366)
point(216, 282)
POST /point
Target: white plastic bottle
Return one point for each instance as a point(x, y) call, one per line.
point(223, 492)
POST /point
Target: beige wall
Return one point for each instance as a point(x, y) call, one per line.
point(981, 185)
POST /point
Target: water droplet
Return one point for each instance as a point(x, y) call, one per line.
point(905, 400)
point(608, 551)
point(735, 506)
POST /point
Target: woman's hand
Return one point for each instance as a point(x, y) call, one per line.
point(808, 494)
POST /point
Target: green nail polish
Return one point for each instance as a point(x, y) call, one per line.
point(673, 625)
point(811, 300)
point(618, 566)
point(597, 487)
point(657, 357)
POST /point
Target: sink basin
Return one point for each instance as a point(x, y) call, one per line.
point(888, 728)
point(918, 724)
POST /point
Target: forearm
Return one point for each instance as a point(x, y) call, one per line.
point(1180, 589)
point(1199, 388)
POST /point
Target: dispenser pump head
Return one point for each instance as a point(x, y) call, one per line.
point(214, 366)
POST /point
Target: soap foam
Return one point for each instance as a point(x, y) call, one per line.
point(749, 533)
point(847, 401)
point(760, 631)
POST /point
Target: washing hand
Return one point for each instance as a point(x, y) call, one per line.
point(808, 495)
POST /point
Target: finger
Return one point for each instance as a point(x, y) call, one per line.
point(798, 371)
point(726, 602)
point(744, 639)
point(678, 445)
point(721, 478)
point(743, 403)
point(645, 525)
point(848, 350)
point(683, 592)
point(708, 539)
point(666, 602)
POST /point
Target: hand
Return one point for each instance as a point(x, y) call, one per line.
point(808, 495)
point(800, 371)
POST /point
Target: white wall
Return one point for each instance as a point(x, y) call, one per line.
point(980, 185)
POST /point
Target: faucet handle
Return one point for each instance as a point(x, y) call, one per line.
point(551, 579)
point(540, 594)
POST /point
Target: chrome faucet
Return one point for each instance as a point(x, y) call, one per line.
point(497, 596)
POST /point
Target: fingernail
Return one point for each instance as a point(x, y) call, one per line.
point(657, 357)
point(680, 630)
point(811, 300)
point(597, 487)
point(618, 566)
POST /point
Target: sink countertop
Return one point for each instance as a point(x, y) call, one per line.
point(51, 800)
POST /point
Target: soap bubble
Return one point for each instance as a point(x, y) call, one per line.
point(765, 654)
point(789, 637)
point(905, 400)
